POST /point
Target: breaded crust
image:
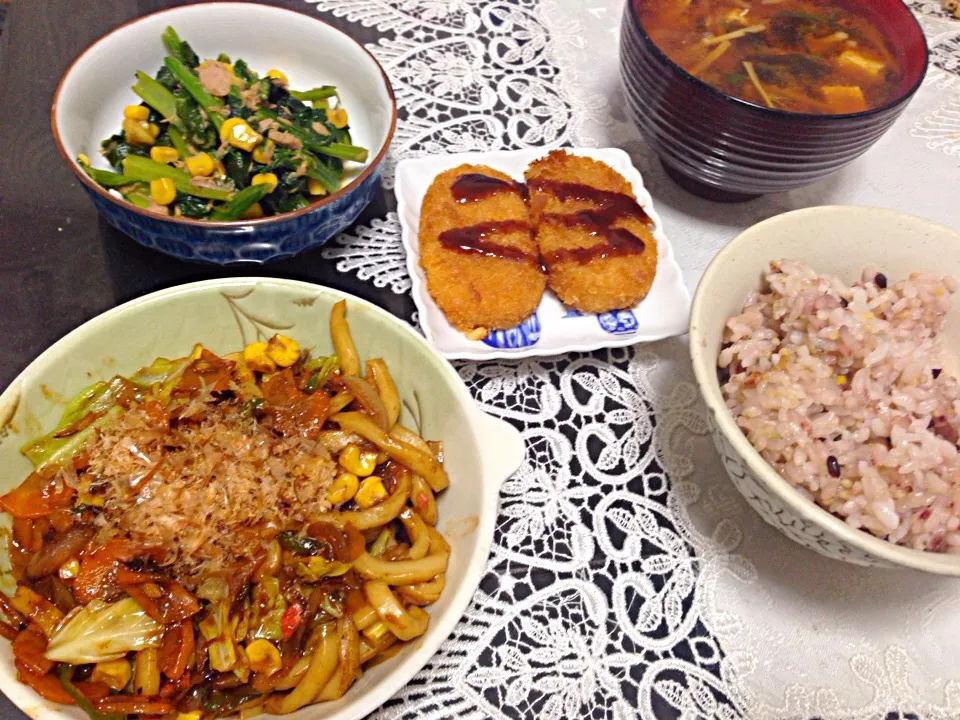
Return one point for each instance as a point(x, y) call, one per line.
point(476, 291)
point(602, 284)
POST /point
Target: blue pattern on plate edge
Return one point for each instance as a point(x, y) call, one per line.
point(523, 335)
point(615, 322)
point(243, 243)
point(618, 322)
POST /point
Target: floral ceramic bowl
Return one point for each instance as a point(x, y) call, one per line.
point(87, 105)
point(480, 451)
point(840, 241)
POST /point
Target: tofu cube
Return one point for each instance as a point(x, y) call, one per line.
point(844, 98)
point(858, 61)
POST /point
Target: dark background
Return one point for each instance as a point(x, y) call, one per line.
point(60, 264)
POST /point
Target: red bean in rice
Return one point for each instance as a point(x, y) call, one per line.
point(824, 374)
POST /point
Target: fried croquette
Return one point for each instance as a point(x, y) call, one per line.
point(598, 260)
point(477, 250)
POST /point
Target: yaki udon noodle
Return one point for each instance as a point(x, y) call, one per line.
point(218, 535)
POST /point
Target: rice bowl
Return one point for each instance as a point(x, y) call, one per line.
point(840, 388)
point(836, 240)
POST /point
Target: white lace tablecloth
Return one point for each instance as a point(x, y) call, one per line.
point(627, 576)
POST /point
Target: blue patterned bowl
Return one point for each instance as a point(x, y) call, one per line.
point(88, 103)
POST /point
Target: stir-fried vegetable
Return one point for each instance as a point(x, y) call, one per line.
point(206, 130)
point(102, 631)
point(223, 534)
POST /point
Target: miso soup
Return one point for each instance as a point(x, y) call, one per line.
point(814, 56)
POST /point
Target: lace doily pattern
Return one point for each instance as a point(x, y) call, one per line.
point(375, 254)
point(588, 604)
point(468, 75)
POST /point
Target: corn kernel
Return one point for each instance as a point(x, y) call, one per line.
point(263, 656)
point(275, 74)
point(153, 129)
point(136, 112)
point(337, 117)
point(69, 569)
point(115, 674)
point(315, 187)
point(255, 355)
point(86, 498)
point(163, 191)
point(841, 379)
point(138, 132)
point(282, 350)
point(238, 133)
point(360, 462)
point(264, 153)
point(370, 492)
point(253, 211)
point(199, 165)
point(343, 488)
point(192, 715)
point(268, 179)
point(83, 159)
point(162, 154)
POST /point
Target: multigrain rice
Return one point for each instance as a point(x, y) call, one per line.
point(839, 387)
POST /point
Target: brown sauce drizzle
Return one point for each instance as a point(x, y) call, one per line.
point(472, 240)
point(471, 187)
point(615, 242)
point(613, 204)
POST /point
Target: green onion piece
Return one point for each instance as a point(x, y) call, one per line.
point(157, 96)
point(323, 174)
point(191, 84)
point(343, 151)
point(139, 198)
point(318, 93)
point(65, 672)
point(147, 170)
point(107, 178)
point(176, 137)
point(234, 207)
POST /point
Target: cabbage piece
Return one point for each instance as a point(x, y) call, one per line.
point(101, 631)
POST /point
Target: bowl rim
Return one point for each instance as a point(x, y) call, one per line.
point(85, 179)
point(492, 472)
point(704, 369)
point(892, 104)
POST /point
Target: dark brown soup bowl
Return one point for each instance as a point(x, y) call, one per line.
point(724, 148)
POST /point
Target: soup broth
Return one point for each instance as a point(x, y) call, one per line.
point(813, 56)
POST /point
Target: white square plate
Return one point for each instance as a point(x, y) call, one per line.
point(554, 328)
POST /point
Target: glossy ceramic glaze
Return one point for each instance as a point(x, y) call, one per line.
point(724, 148)
point(89, 100)
point(480, 451)
point(838, 240)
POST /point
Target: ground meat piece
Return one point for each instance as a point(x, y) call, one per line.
point(215, 77)
point(286, 139)
point(157, 209)
point(250, 98)
point(267, 124)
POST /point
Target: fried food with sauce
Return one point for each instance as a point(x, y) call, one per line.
point(601, 283)
point(477, 291)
